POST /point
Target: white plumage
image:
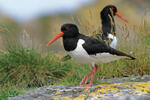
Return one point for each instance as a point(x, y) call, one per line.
point(113, 44)
point(79, 53)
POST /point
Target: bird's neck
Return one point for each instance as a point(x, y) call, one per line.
point(108, 23)
point(70, 43)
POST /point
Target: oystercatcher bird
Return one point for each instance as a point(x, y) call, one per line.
point(87, 50)
point(108, 24)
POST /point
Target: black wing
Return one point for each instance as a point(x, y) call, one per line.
point(94, 46)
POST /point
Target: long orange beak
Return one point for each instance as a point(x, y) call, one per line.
point(57, 37)
point(118, 14)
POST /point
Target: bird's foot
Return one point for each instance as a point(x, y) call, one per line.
point(87, 85)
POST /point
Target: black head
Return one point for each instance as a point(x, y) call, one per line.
point(110, 9)
point(69, 30)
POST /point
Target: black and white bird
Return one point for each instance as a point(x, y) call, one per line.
point(108, 24)
point(87, 50)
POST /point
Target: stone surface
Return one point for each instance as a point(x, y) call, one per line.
point(133, 88)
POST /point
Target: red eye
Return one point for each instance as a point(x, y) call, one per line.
point(67, 27)
point(112, 8)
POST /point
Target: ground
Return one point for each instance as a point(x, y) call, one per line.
point(129, 88)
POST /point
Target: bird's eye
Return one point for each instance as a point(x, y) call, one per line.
point(67, 27)
point(112, 8)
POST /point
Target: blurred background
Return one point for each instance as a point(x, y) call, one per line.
point(34, 23)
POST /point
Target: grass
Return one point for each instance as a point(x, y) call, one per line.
point(9, 92)
point(27, 68)
point(21, 66)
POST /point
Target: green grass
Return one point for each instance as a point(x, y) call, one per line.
point(9, 92)
point(29, 68)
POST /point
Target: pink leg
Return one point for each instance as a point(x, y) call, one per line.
point(96, 67)
point(85, 79)
point(92, 76)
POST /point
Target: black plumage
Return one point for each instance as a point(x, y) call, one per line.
point(107, 19)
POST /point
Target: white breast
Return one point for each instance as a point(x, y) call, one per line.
point(113, 44)
point(80, 55)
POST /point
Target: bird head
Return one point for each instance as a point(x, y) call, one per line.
point(112, 11)
point(67, 30)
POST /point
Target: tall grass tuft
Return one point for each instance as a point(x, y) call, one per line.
point(26, 67)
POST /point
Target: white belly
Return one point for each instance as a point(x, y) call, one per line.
point(113, 44)
point(80, 55)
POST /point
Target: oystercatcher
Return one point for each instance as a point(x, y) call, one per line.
point(108, 24)
point(87, 50)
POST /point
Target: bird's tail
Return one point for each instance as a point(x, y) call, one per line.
point(130, 57)
point(119, 53)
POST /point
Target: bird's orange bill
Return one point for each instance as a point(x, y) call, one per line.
point(57, 37)
point(118, 14)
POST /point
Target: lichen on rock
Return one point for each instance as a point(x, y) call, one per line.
point(111, 91)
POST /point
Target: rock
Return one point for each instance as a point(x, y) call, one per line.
point(145, 78)
point(129, 90)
